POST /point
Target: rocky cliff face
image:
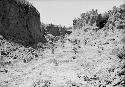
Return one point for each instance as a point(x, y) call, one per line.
point(20, 22)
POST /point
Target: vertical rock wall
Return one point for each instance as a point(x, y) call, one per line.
point(20, 21)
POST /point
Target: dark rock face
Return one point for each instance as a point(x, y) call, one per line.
point(20, 22)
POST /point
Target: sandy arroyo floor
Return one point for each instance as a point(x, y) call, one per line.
point(71, 65)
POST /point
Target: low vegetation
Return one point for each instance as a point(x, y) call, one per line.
point(91, 55)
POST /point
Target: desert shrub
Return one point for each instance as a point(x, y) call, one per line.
point(56, 30)
point(51, 29)
point(91, 18)
point(109, 20)
point(86, 18)
point(101, 21)
point(121, 55)
point(42, 83)
point(115, 18)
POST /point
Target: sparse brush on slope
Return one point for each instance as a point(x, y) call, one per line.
point(91, 56)
point(54, 33)
point(55, 30)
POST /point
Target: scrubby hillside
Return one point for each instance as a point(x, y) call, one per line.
point(91, 56)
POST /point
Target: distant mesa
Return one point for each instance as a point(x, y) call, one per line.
point(20, 22)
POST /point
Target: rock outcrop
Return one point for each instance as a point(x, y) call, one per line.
point(20, 22)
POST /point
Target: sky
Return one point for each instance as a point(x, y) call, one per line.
point(62, 12)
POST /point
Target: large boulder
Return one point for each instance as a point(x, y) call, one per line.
point(20, 22)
